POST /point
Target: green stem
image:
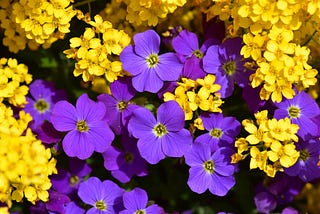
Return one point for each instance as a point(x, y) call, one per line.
point(310, 38)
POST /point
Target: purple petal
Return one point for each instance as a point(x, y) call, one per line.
point(135, 200)
point(211, 61)
point(148, 80)
point(90, 191)
point(146, 43)
point(89, 110)
point(176, 144)
point(212, 142)
point(100, 135)
point(79, 167)
point(199, 180)
point(185, 43)
point(226, 83)
point(131, 62)
point(73, 208)
point(122, 89)
point(75, 144)
point(110, 157)
point(307, 127)
point(141, 123)
point(198, 154)
point(150, 149)
point(171, 115)
point(169, 67)
point(192, 68)
point(154, 209)
point(221, 185)
point(64, 116)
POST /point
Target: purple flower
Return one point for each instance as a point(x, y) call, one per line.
point(307, 165)
point(118, 106)
point(301, 110)
point(187, 47)
point(227, 64)
point(47, 134)
point(265, 202)
point(67, 181)
point(148, 68)
point(210, 171)
point(87, 130)
point(222, 130)
point(125, 163)
point(164, 136)
point(136, 201)
point(42, 99)
point(105, 197)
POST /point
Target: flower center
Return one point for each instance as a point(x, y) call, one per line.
point(82, 126)
point(304, 154)
point(74, 179)
point(128, 157)
point(294, 112)
point(229, 68)
point(217, 133)
point(122, 105)
point(198, 54)
point(140, 212)
point(159, 130)
point(208, 166)
point(41, 105)
point(152, 60)
point(101, 205)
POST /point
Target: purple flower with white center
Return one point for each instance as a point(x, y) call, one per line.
point(136, 201)
point(307, 165)
point(161, 136)
point(125, 163)
point(67, 181)
point(148, 68)
point(87, 131)
point(222, 130)
point(187, 47)
point(118, 106)
point(301, 110)
point(104, 197)
point(42, 99)
point(212, 171)
point(227, 64)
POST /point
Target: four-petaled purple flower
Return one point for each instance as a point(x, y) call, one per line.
point(127, 162)
point(164, 136)
point(148, 68)
point(301, 110)
point(105, 197)
point(227, 64)
point(186, 45)
point(212, 171)
point(222, 130)
point(42, 99)
point(118, 107)
point(136, 201)
point(88, 132)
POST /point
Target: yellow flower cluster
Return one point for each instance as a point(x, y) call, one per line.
point(270, 143)
point(97, 51)
point(150, 12)
point(199, 94)
point(25, 162)
point(275, 40)
point(12, 77)
point(34, 22)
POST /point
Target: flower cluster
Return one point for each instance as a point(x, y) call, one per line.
point(271, 143)
point(25, 162)
point(13, 76)
point(192, 95)
point(96, 50)
point(34, 23)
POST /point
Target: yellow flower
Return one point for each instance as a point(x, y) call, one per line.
point(286, 154)
point(258, 159)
